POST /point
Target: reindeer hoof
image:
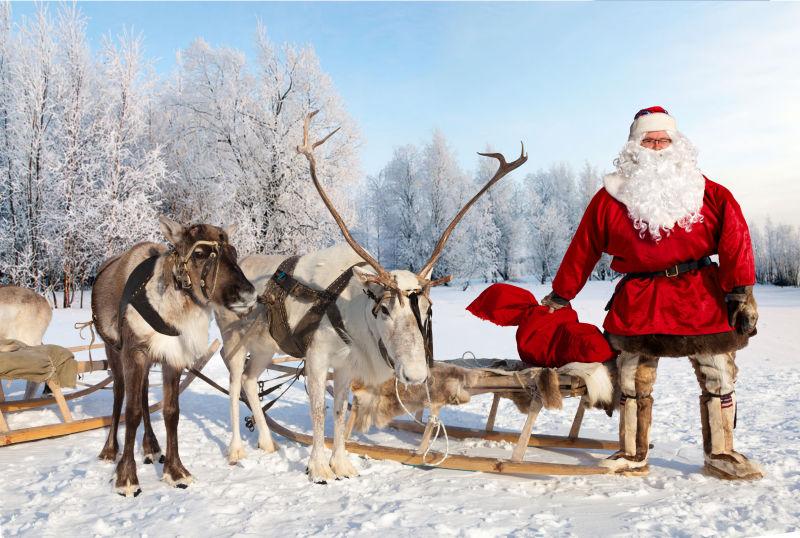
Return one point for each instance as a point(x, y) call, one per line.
point(107, 455)
point(268, 445)
point(150, 458)
point(342, 467)
point(182, 482)
point(320, 473)
point(235, 453)
point(129, 490)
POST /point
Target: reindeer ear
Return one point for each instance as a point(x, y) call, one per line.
point(172, 231)
point(364, 276)
point(230, 230)
point(428, 275)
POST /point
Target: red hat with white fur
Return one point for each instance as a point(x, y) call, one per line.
point(650, 119)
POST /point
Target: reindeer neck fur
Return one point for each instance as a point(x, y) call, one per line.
point(178, 309)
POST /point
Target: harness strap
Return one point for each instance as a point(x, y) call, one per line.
point(425, 328)
point(670, 272)
point(134, 294)
point(283, 284)
point(385, 354)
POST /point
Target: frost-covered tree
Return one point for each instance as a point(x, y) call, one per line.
point(231, 132)
point(29, 104)
point(508, 219)
point(69, 209)
point(128, 189)
point(589, 182)
point(777, 253)
point(407, 245)
point(553, 218)
point(9, 256)
point(446, 188)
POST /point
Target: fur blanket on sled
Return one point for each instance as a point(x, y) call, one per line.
point(448, 385)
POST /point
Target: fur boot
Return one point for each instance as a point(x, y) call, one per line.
point(717, 376)
point(637, 375)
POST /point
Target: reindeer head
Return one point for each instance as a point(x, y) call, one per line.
point(204, 264)
point(400, 311)
point(398, 316)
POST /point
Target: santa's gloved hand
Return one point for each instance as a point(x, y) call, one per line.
point(742, 310)
point(554, 301)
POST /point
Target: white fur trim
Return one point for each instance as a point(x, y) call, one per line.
point(652, 122)
point(621, 464)
point(613, 184)
point(598, 383)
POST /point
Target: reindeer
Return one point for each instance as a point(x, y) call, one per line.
point(153, 304)
point(367, 324)
point(24, 316)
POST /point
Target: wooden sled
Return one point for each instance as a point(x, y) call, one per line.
point(69, 425)
point(514, 464)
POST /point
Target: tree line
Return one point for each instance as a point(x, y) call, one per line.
point(94, 145)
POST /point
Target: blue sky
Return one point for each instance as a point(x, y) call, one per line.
point(564, 77)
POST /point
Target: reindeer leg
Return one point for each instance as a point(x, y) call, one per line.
point(175, 474)
point(235, 362)
point(150, 447)
point(110, 449)
point(135, 367)
point(319, 471)
point(258, 363)
point(340, 462)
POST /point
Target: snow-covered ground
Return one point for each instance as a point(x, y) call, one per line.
point(58, 487)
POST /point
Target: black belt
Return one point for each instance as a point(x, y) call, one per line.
point(669, 272)
point(675, 270)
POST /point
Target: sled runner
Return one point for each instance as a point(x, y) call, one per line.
point(503, 379)
point(67, 368)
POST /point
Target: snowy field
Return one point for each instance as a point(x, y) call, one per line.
point(58, 487)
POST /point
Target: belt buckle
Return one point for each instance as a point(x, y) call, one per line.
point(672, 271)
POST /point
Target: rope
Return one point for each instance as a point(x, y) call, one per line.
point(80, 326)
point(437, 423)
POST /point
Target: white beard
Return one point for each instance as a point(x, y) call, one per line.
point(661, 189)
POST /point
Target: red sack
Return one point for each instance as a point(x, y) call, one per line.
point(543, 338)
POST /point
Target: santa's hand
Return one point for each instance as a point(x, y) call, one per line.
point(742, 310)
point(554, 301)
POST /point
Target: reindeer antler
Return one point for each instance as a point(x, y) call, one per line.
point(307, 149)
point(504, 169)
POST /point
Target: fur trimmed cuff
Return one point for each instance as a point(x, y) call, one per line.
point(670, 345)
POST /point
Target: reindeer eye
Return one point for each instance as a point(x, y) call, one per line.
point(385, 310)
point(200, 253)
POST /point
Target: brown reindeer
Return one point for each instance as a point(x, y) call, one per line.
point(153, 304)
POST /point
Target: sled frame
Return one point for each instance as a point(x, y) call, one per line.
point(515, 464)
point(69, 425)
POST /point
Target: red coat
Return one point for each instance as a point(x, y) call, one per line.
point(689, 304)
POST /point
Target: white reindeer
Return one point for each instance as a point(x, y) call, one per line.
point(24, 316)
point(376, 325)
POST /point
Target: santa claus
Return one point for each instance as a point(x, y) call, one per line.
point(661, 219)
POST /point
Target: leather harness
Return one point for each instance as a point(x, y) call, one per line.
point(134, 291)
point(134, 294)
point(283, 284)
